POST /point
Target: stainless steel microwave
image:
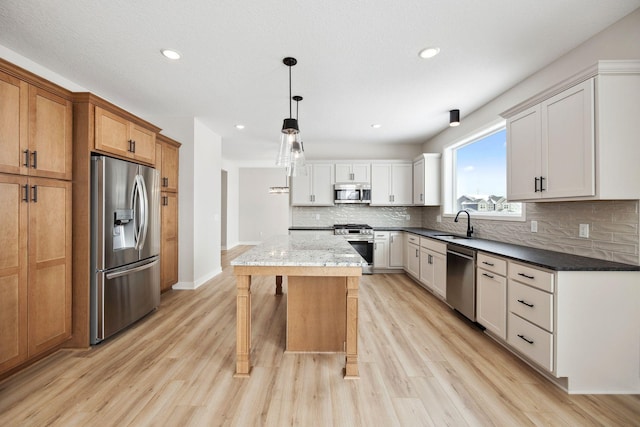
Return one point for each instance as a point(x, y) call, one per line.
point(352, 193)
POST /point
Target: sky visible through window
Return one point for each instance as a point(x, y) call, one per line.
point(481, 167)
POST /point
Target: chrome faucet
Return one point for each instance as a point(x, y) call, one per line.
point(469, 227)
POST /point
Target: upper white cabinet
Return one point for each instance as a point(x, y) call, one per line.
point(353, 172)
point(426, 180)
point(391, 184)
point(315, 188)
point(578, 140)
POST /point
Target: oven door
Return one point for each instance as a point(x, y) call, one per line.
point(365, 248)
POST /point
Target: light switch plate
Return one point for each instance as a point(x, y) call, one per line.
point(584, 230)
point(438, 218)
point(534, 226)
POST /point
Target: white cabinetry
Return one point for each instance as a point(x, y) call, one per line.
point(433, 266)
point(491, 294)
point(353, 172)
point(387, 250)
point(396, 249)
point(391, 184)
point(315, 188)
point(426, 179)
point(412, 255)
point(578, 140)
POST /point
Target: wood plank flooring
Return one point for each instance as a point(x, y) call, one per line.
point(420, 365)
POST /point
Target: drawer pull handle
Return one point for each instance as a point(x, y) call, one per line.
point(526, 276)
point(26, 158)
point(522, 337)
point(488, 275)
point(490, 264)
point(525, 303)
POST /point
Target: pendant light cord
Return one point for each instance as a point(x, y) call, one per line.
point(290, 115)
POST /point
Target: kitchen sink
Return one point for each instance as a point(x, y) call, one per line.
point(451, 237)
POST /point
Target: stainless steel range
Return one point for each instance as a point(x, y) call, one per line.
point(360, 236)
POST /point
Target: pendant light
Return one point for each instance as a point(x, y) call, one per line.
point(454, 118)
point(296, 166)
point(290, 130)
point(280, 190)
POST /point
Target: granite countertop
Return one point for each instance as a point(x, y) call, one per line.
point(302, 251)
point(551, 260)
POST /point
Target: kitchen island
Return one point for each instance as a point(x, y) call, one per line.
point(323, 274)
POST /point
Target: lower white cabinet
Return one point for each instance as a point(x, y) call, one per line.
point(412, 255)
point(433, 266)
point(388, 249)
point(380, 250)
point(396, 249)
point(491, 294)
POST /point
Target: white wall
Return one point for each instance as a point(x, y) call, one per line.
point(233, 203)
point(619, 41)
point(262, 214)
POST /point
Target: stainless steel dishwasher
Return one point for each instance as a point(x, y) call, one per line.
point(461, 280)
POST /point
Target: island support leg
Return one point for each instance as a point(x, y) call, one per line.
point(243, 326)
point(278, 285)
point(351, 365)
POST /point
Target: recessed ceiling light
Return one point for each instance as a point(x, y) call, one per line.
point(239, 127)
point(171, 54)
point(376, 126)
point(429, 52)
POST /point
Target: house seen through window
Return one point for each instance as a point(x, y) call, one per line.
point(478, 181)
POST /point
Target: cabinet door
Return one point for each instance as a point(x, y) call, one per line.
point(440, 274)
point(381, 250)
point(523, 155)
point(13, 124)
point(343, 172)
point(169, 173)
point(402, 184)
point(144, 143)
point(427, 269)
point(169, 245)
point(50, 134)
point(568, 147)
point(413, 260)
point(322, 184)
point(112, 133)
point(380, 184)
point(491, 302)
point(396, 249)
point(361, 172)
point(301, 189)
point(418, 182)
point(49, 289)
point(13, 271)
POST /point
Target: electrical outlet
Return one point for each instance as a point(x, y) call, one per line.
point(439, 218)
point(583, 230)
point(534, 226)
point(407, 217)
point(317, 217)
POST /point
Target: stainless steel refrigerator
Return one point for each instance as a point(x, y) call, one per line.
point(125, 244)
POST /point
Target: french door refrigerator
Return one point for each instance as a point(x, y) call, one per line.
point(125, 244)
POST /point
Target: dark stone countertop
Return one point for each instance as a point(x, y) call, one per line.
point(311, 228)
point(551, 260)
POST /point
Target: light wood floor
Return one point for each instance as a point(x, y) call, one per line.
point(420, 364)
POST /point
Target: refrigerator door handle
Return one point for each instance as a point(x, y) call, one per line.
point(121, 273)
point(144, 213)
point(139, 205)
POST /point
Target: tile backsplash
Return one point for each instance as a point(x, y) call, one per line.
point(614, 226)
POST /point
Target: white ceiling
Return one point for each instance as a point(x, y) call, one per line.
point(358, 61)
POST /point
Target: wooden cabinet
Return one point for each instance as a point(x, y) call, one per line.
point(35, 130)
point(426, 179)
point(433, 266)
point(578, 139)
point(35, 267)
point(315, 188)
point(491, 294)
point(117, 135)
point(353, 172)
point(392, 184)
point(167, 160)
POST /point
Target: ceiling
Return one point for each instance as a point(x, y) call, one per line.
point(358, 61)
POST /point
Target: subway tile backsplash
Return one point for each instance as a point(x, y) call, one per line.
point(614, 226)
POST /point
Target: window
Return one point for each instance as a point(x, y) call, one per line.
point(476, 176)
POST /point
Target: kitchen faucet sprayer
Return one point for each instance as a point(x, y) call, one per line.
point(469, 227)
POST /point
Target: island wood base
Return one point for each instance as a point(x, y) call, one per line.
point(322, 311)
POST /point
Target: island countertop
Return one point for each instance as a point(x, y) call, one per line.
point(302, 251)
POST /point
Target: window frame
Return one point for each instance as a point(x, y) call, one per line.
point(449, 176)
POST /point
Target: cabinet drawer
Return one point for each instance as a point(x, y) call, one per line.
point(532, 304)
point(491, 263)
point(531, 276)
point(381, 235)
point(434, 245)
point(412, 238)
point(533, 342)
